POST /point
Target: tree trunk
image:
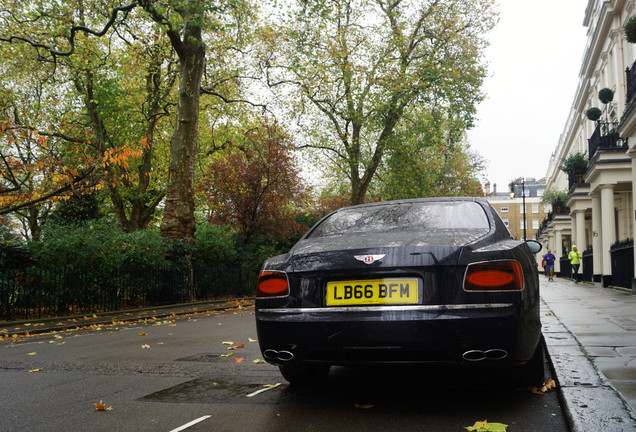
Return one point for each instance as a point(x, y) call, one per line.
point(178, 219)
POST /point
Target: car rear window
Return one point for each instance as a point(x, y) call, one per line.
point(466, 218)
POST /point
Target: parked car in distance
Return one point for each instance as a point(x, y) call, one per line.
point(423, 281)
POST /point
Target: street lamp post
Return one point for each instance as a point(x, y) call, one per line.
point(523, 194)
point(523, 198)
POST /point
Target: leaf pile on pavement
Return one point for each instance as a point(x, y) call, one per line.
point(101, 406)
point(546, 387)
point(484, 426)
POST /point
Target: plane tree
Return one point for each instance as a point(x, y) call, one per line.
point(57, 35)
point(356, 68)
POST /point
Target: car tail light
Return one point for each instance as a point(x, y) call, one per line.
point(272, 284)
point(494, 276)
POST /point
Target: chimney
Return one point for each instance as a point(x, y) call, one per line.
point(494, 189)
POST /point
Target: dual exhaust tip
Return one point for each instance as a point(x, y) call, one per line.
point(471, 356)
point(480, 355)
point(282, 356)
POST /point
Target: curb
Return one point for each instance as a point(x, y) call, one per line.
point(72, 322)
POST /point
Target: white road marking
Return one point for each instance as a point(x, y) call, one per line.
point(192, 423)
point(263, 390)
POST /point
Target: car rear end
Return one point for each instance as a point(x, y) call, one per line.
point(462, 293)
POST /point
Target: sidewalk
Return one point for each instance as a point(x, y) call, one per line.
point(590, 334)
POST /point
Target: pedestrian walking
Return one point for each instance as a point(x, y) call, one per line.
point(549, 260)
point(575, 261)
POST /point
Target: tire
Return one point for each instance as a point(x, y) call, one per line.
point(531, 373)
point(304, 375)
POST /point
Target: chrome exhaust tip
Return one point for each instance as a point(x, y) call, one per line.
point(283, 356)
point(480, 355)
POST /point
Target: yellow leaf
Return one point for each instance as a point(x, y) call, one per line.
point(227, 343)
point(101, 406)
point(258, 361)
point(252, 340)
point(32, 353)
point(35, 370)
point(227, 355)
point(145, 346)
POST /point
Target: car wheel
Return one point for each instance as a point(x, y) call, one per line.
point(304, 375)
point(531, 373)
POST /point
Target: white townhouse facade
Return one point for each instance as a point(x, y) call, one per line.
point(600, 211)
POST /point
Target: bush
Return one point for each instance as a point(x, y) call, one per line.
point(99, 245)
point(215, 243)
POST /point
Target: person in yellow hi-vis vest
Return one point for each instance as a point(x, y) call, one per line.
point(575, 261)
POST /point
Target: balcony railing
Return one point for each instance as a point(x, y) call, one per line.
point(631, 84)
point(605, 136)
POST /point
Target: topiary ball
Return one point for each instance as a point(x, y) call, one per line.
point(630, 30)
point(606, 95)
point(594, 114)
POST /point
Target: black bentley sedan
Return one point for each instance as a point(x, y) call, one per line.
point(424, 281)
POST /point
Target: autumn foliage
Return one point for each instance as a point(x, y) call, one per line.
point(255, 187)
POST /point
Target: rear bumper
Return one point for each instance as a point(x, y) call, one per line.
point(398, 335)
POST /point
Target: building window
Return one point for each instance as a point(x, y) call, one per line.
point(504, 209)
point(521, 224)
point(506, 222)
point(535, 208)
point(535, 223)
point(522, 209)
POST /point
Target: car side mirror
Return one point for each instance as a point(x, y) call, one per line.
point(535, 246)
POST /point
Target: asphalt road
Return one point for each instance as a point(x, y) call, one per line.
point(197, 373)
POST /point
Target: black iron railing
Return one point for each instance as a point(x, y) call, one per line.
point(605, 136)
point(622, 256)
point(35, 292)
point(588, 267)
point(631, 84)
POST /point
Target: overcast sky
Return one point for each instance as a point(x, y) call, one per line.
point(535, 58)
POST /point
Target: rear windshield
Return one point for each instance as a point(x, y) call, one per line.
point(465, 219)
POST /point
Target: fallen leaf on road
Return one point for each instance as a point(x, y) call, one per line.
point(142, 334)
point(252, 340)
point(32, 353)
point(227, 343)
point(546, 387)
point(101, 406)
point(484, 426)
point(145, 346)
point(35, 370)
point(238, 360)
point(227, 355)
point(258, 361)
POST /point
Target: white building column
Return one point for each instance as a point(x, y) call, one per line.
point(608, 231)
point(597, 247)
point(558, 250)
point(581, 241)
point(633, 236)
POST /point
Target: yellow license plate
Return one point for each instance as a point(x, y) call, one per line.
point(373, 292)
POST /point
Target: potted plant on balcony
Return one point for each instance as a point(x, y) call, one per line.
point(575, 165)
point(556, 199)
point(630, 30)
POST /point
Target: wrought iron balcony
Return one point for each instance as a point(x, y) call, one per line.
point(631, 84)
point(605, 136)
